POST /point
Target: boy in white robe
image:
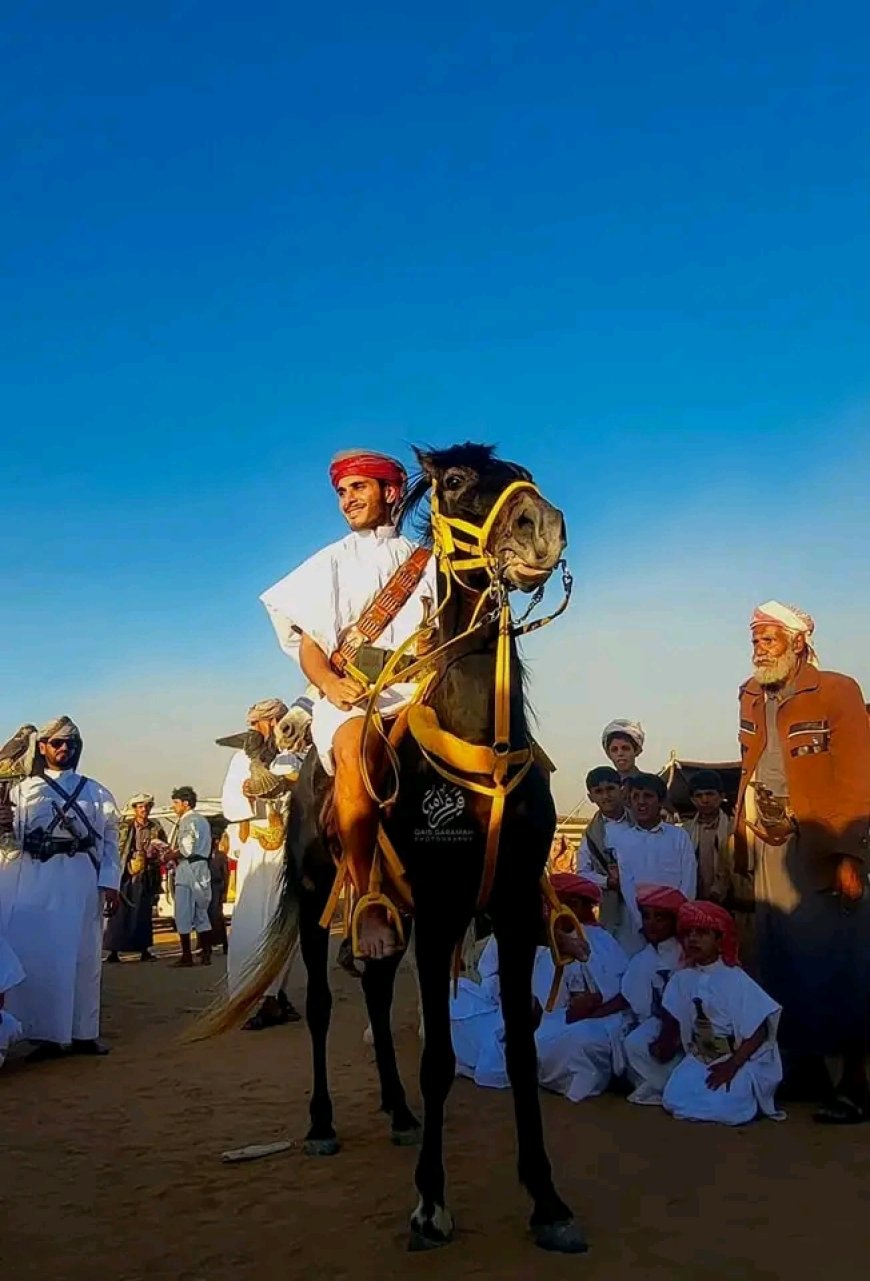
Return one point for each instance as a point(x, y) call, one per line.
point(727, 1025)
point(476, 1020)
point(649, 852)
point(580, 1041)
point(649, 1060)
point(476, 1023)
point(11, 974)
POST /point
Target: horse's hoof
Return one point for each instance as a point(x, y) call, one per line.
point(409, 1138)
point(419, 1241)
point(560, 1238)
point(321, 1147)
point(430, 1231)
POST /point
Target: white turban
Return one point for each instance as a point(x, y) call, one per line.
point(141, 798)
point(791, 619)
point(630, 729)
point(60, 727)
point(268, 709)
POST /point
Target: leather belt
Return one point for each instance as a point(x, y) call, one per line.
point(42, 849)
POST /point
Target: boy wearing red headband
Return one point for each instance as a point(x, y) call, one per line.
point(580, 1042)
point(726, 1024)
point(650, 1057)
point(316, 608)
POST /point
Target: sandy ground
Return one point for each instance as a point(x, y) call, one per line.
point(111, 1168)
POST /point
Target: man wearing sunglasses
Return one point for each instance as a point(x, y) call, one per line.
point(52, 895)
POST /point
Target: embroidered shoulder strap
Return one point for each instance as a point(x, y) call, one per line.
point(378, 615)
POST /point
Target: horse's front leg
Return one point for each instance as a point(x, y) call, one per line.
point(552, 1222)
point(432, 1222)
point(378, 983)
point(321, 1138)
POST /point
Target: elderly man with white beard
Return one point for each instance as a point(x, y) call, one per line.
point(52, 895)
point(800, 849)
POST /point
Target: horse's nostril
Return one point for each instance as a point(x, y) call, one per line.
point(526, 524)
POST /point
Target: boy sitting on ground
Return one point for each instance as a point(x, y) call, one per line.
point(580, 1042)
point(725, 1023)
point(650, 1058)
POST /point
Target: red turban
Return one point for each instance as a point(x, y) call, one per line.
point(569, 885)
point(662, 897)
point(702, 915)
point(372, 466)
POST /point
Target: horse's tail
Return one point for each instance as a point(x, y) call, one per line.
point(272, 956)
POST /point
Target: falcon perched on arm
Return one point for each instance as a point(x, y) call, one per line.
point(16, 754)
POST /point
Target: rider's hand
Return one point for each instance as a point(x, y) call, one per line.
point(613, 877)
point(342, 691)
point(111, 901)
point(849, 881)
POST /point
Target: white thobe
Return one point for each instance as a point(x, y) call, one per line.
point(11, 974)
point(476, 1021)
point(663, 855)
point(579, 1059)
point(193, 873)
point(736, 1007)
point(51, 913)
point(643, 986)
point(328, 593)
point(572, 1064)
point(258, 872)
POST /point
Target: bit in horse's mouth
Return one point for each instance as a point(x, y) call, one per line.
point(526, 577)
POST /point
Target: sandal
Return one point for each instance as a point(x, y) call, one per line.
point(842, 1110)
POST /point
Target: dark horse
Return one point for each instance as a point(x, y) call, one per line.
point(444, 860)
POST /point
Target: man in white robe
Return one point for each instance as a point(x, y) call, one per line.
point(192, 847)
point(648, 851)
point(649, 1063)
point(316, 609)
point(52, 895)
point(258, 869)
point(727, 1025)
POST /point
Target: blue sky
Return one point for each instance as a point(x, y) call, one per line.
point(628, 242)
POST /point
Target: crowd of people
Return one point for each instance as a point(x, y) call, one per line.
point(80, 881)
point(648, 990)
point(654, 998)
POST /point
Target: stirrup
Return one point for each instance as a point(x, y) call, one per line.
point(560, 959)
point(375, 899)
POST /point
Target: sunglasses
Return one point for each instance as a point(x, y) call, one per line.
point(61, 742)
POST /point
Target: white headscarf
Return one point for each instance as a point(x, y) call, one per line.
point(791, 619)
point(631, 729)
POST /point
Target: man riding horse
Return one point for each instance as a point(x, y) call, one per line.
point(343, 611)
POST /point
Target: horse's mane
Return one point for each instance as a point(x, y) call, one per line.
point(412, 517)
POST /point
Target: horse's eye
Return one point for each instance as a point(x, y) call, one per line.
point(453, 482)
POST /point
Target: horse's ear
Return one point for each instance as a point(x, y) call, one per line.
point(428, 466)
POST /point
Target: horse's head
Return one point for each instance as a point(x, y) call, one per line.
point(518, 528)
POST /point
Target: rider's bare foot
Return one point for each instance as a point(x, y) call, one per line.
point(377, 937)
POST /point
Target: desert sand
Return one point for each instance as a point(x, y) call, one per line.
point(110, 1169)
